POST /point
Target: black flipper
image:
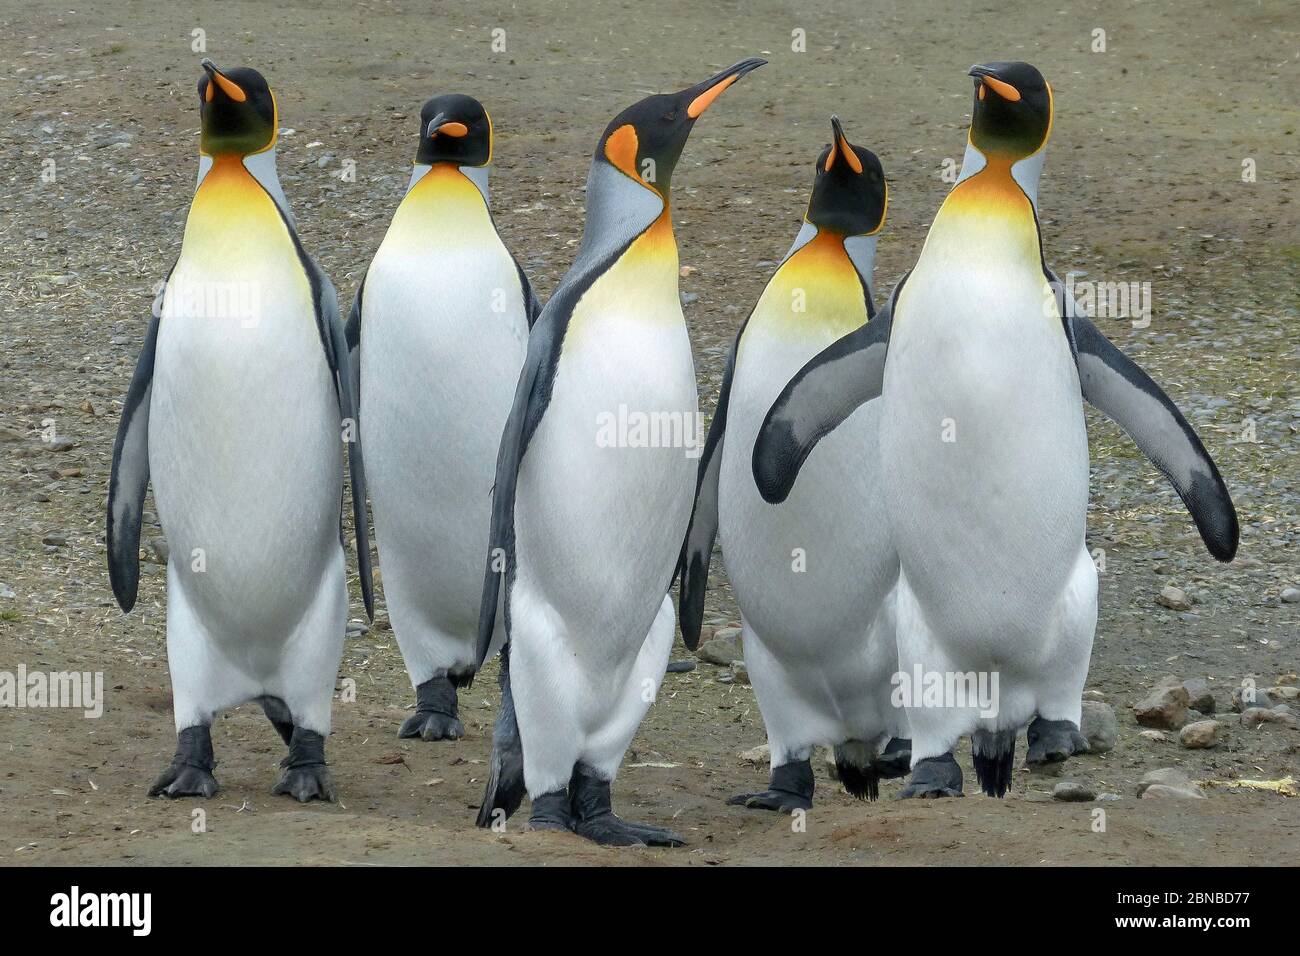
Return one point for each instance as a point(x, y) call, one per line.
point(846, 374)
point(697, 548)
point(353, 334)
point(505, 787)
point(1115, 385)
point(129, 479)
point(344, 376)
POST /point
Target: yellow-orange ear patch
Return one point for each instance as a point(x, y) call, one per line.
point(1004, 90)
point(230, 88)
point(621, 147)
point(830, 157)
point(207, 92)
point(702, 102)
point(850, 156)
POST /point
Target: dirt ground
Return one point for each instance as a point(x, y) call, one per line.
point(1143, 183)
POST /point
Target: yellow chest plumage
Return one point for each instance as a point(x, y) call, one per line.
point(816, 291)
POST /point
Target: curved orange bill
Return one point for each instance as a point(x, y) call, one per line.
point(703, 94)
point(840, 147)
point(227, 86)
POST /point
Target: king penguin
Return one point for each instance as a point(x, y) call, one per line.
point(441, 325)
point(814, 577)
point(587, 526)
point(238, 413)
point(980, 361)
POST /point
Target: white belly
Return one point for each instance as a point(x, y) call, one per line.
point(244, 447)
point(439, 365)
point(809, 574)
point(599, 528)
point(983, 447)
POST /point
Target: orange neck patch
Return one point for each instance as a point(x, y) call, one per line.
point(620, 149)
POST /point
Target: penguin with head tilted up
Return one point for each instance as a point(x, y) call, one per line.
point(437, 333)
point(980, 361)
point(238, 412)
point(588, 517)
point(813, 577)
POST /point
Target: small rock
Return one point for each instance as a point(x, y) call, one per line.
point(60, 444)
point(1173, 598)
point(1291, 595)
point(1199, 696)
point(54, 540)
point(721, 650)
point(1155, 736)
point(757, 755)
point(1160, 790)
point(1072, 791)
point(1284, 693)
point(1200, 735)
point(356, 628)
point(1108, 797)
point(7, 592)
point(1246, 698)
point(1099, 726)
point(1255, 717)
point(680, 667)
point(1164, 708)
point(161, 551)
point(739, 673)
point(1172, 783)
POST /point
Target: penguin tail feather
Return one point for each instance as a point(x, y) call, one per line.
point(854, 766)
point(994, 755)
point(505, 786)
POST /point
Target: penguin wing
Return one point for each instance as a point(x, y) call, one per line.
point(335, 340)
point(532, 395)
point(847, 373)
point(532, 304)
point(697, 548)
point(129, 479)
point(352, 332)
point(1119, 388)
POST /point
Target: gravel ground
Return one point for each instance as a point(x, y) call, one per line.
point(1143, 183)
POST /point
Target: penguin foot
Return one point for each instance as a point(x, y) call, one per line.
point(1054, 741)
point(933, 777)
point(895, 760)
point(551, 812)
point(789, 789)
point(994, 756)
point(436, 716)
point(306, 777)
point(595, 820)
point(190, 772)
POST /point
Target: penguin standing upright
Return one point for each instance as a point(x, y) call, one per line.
point(441, 324)
point(813, 578)
point(237, 412)
point(980, 360)
point(587, 525)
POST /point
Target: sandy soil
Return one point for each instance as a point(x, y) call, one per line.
point(1143, 184)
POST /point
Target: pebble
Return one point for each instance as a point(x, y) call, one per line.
point(1099, 726)
point(739, 673)
point(1072, 791)
point(680, 667)
point(1155, 736)
point(1168, 782)
point(1173, 598)
point(720, 650)
point(760, 754)
point(1291, 595)
point(1200, 735)
point(161, 551)
point(356, 628)
point(1165, 708)
point(54, 540)
point(7, 592)
point(1256, 717)
point(1258, 698)
point(1199, 696)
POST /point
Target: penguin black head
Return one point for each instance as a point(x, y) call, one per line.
point(849, 194)
point(646, 139)
point(1013, 109)
point(454, 129)
point(237, 110)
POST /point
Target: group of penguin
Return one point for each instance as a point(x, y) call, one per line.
point(926, 458)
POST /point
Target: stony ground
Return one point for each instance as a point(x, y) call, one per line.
point(1144, 183)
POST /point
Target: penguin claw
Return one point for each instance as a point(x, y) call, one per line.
point(1053, 741)
point(182, 780)
point(608, 830)
point(429, 725)
point(932, 778)
point(306, 783)
point(781, 801)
